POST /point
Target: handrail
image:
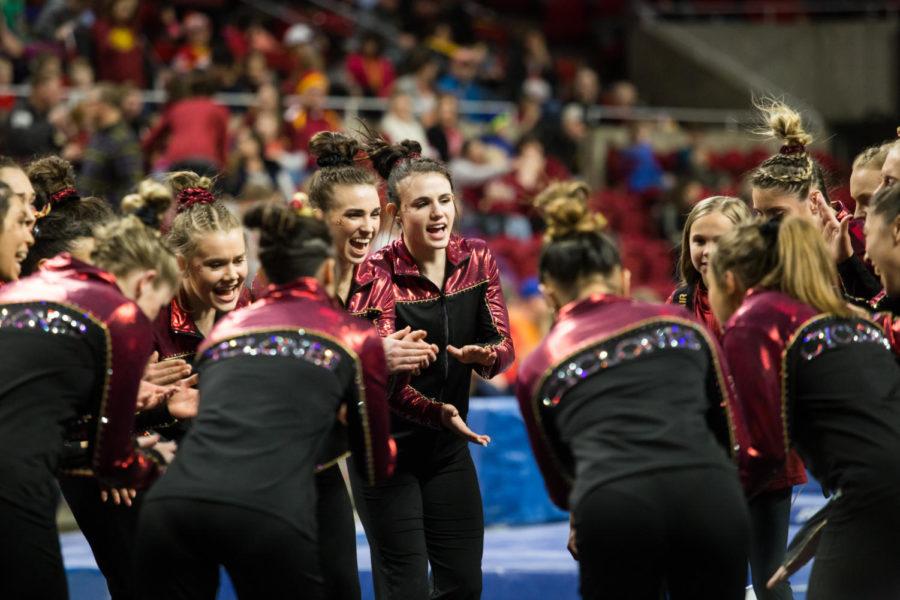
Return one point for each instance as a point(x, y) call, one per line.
point(701, 8)
point(354, 104)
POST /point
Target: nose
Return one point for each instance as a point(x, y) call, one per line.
point(30, 239)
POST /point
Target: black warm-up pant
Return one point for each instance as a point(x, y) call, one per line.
point(182, 542)
point(770, 516)
point(109, 529)
point(337, 536)
point(31, 566)
point(684, 531)
point(429, 511)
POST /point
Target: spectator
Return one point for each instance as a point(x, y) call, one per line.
point(248, 166)
point(531, 60)
point(399, 123)
point(33, 128)
point(113, 164)
point(7, 100)
point(195, 131)
point(460, 81)
point(133, 110)
point(445, 135)
point(196, 52)
point(565, 140)
point(302, 57)
point(370, 73)
point(255, 72)
point(644, 172)
point(119, 45)
point(586, 87)
point(310, 116)
point(420, 85)
point(476, 166)
point(81, 77)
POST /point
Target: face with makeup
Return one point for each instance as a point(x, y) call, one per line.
point(353, 218)
point(215, 272)
point(704, 235)
point(427, 212)
point(15, 238)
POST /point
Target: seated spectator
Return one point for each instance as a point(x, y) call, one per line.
point(119, 44)
point(113, 164)
point(248, 165)
point(399, 122)
point(419, 85)
point(309, 116)
point(196, 51)
point(476, 165)
point(370, 73)
point(194, 130)
point(460, 81)
point(133, 110)
point(445, 135)
point(514, 192)
point(33, 127)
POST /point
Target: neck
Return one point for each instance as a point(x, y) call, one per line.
point(432, 263)
point(587, 289)
point(344, 279)
point(204, 317)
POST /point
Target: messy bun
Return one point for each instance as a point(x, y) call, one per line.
point(565, 210)
point(396, 162)
point(125, 245)
point(53, 179)
point(335, 154)
point(199, 212)
point(290, 245)
point(792, 170)
point(149, 203)
point(574, 247)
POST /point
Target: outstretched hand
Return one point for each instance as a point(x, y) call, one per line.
point(451, 420)
point(473, 354)
point(166, 372)
point(407, 351)
point(184, 402)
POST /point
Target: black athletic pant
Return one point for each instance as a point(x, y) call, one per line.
point(770, 516)
point(428, 512)
point(859, 553)
point(182, 542)
point(684, 531)
point(109, 529)
point(337, 536)
point(31, 566)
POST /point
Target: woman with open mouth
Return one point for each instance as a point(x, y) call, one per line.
point(448, 286)
point(15, 235)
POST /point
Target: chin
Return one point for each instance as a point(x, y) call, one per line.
point(355, 260)
point(224, 306)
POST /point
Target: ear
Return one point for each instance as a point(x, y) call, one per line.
point(730, 284)
point(182, 264)
point(41, 262)
point(318, 214)
point(549, 294)
point(895, 231)
point(625, 282)
point(814, 197)
point(143, 283)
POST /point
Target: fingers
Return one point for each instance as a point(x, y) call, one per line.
point(400, 334)
point(455, 352)
point(191, 381)
point(416, 336)
point(154, 358)
point(148, 441)
point(779, 576)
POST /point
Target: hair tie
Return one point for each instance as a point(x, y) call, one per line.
point(789, 149)
point(57, 197)
point(413, 156)
point(188, 197)
point(333, 160)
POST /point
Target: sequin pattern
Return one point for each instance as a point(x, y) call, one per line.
point(298, 345)
point(613, 352)
point(42, 318)
point(828, 336)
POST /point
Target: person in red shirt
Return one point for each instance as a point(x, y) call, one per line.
point(195, 130)
point(196, 53)
point(708, 220)
point(119, 45)
point(310, 116)
point(370, 72)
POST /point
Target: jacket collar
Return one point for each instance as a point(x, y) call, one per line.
point(180, 320)
point(65, 262)
point(405, 264)
point(576, 307)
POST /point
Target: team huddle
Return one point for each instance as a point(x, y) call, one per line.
point(194, 418)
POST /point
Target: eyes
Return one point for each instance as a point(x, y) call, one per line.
point(359, 214)
point(699, 240)
point(220, 264)
point(888, 181)
point(423, 202)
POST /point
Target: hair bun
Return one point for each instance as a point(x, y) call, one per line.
point(565, 210)
point(385, 156)
point(786, 124)
point(333, 149)
point(189, 197)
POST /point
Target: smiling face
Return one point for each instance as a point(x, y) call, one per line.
point(705, 234)
point(15, 239)
point(353, 219)
point(883, 250)
point(427, 212)
point(19, 183)
point(216, 271)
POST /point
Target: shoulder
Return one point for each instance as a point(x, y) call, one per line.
point(682, 295)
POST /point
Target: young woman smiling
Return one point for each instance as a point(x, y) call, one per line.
point(15, 235)
point(449, 287)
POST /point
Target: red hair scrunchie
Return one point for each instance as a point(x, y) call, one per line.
point(188, 197)
point(792, 149)
point(66, 193)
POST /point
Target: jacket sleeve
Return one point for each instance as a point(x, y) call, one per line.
point(857, 281)
point(557, 487)
point(493, 321)
point(370, 423)
point(116, 460)
point(725, 417)
point(755, 361)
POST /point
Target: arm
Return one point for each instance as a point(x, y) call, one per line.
point(493, 321)
point(725, 415)
point(857, 280)
point(557, 486)
point(757, 380)
point(116, 461)
point(370, 423)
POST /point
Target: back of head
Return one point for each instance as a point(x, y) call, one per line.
point(336, 158)
point(873, 157)
point(575, 248)
point(886, 204)
point(52, 177)
point(788, 256)
point(733, 209)
point(125, 245)
point(792, 170)
point(290, 245)
point(71, 218)
point(199, 212)
point(149, 203)
point(396, 162)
